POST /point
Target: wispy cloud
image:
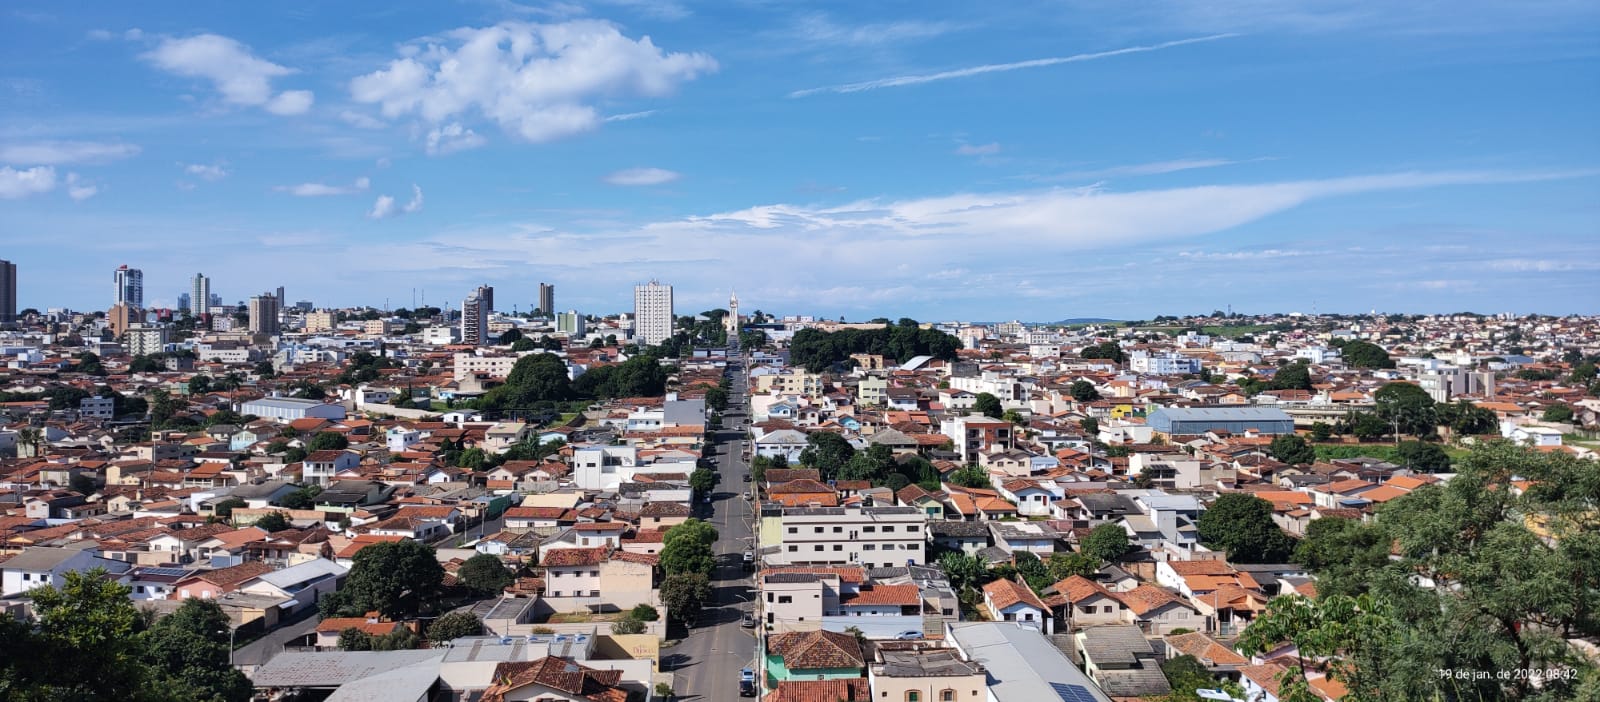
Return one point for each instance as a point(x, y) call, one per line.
point(901, 81)
point(988, 149)
point(79, 189)
point(1147, 169)
point(630, 116)
point(818, 29)
point(642, 176)
point(57, 153)
point(324, 190)
point(452, 138)
point(203, 171)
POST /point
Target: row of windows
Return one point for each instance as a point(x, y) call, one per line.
point(579, 574)
point(887, 529)
point(865, 547)
point(945, 695)
point(577, 593)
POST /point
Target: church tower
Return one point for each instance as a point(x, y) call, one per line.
point(732, 320)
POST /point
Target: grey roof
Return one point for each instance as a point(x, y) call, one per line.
point(841, 511)
point(303, 573)
point(1022, 665)
point(334, 668)
point(1100, 502)
point(791, 578)
point(1120, 644)
point(683, 412)
point(410, 682)
point(255, 491)
point(1147, 681)
point(917, 664)
point(39, 558)
point(954, 527)
point(283, 403)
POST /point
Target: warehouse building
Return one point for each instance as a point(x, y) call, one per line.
point(1190, 421)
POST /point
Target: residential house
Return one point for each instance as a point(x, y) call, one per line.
point(1013, 601)
point(1121, 661)
point(813, 655)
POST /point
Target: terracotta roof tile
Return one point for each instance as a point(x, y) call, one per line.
point(811, 650)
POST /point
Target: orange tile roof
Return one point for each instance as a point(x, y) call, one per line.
point(887, 595)
point(1147, 598)
point(1205, 648)
point(1004, 593)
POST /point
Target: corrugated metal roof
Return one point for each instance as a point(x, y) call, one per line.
point(1223, 414)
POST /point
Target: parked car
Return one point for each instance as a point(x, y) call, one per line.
point(908, 635)
point(749, 621)
point(747, 683)
point(747, 477)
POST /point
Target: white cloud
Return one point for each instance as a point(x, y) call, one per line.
point(100, 34)
point(212, 172)
point(386, 206)
point(642, 176)
point(239, 75)
point(16, 184)
point(970, 71)
point(356, 119)
point(988, 149)
point(134, 34)
point(536, 81)
point(1155, 168)
point(78, 190)
point(323, 190)
point(383, 208)
point(56, 153)
point(818, 29)
point(451, 138)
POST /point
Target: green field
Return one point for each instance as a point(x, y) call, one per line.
point(1383, 452)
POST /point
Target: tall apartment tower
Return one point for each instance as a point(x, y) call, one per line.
point(199, 294)
point(8, 292)
point(130, 287)
point(475, 316)
point(547, 299)
point(652, 313)
point(282, 302)
point(264, 314)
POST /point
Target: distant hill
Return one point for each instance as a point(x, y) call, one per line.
point(1086, 320)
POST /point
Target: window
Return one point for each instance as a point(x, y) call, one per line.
point(794, 530)
point(911, 528)
point(792, 549)
point(769, 597)
point(838, 530)
point(817, 548)
point(869, 547)
point(838, 547)
point(888, 529)
point(594, 573)
point(913, 696)
point(594, 593)
point(1106, 609)
point(785, 599)
point(817, 530)
point(947, 696)
point(869, 530)
point(557, 593)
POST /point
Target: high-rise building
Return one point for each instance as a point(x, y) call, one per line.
point(215, 301)
point(652, 313)
point(320, 321)
point(183, 301)
point(130, 287)
point(264, 314)
point(547, 299)
point(199, 294)
point(282, 301)
point(570, 323)
point(8, 292)
point(475, 316)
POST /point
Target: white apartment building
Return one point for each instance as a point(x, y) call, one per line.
point(199, 294)
point(1163, 364)
point(475, 316)
point(97, 407)
point(440, 336)
point(866, 536)
point(1007, 389)
point(467, 365)
point(145, 339)
point(652, 313)
point(570, 323)
point(604, 467)
point(320, 321)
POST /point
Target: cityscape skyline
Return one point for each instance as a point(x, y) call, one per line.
point(1028, 159)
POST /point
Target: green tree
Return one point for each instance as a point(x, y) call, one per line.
point(987, 405)
point(971, 476)
point(1065, 564)
point(473, 458)
point(685, 594)
point(1344, 553)
point(695, 530)
point(1292, 449)
point(453, 626)
point(200, 384)
point(1465, 418)
point(1090, 426)
point(1362, 354)
point(963, 570)
point(510, 336)
point(162, 408)
point(1321, 431)
point(828, 452)
point(627, 625)
point(702, 480)
point(224, 509)
point(86, 644)
point(1365, 426)
point(1423, 457)
point(188, 650)
point(397, 579)
point(536, 377)
point(328, 441)
point(1109, 350)
point(1406, 407)
point(1295, 376)
point(717, 399)
point(524, 344)
point(1557, 413)
point(1032, 570)
point(1106, 543)
point(1186, 674)
point(644, 613)
point(1242, 525)
point(485, 574)
point(1084, 391)
point(273, 522)
point(687, 556)
point(304, 498)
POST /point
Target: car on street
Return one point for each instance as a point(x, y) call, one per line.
point(908, 636)
point(749, 621)
point(749, 559)
point(747, 477)
point(747, 682)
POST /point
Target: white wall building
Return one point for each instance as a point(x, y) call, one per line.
point(865, 536)
point(652, 312)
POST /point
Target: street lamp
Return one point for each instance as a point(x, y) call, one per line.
point(232, 631)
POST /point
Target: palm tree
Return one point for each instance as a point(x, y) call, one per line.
point(32, 438)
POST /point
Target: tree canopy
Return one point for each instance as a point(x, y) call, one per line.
point(827, 452)
point(1483, 579)
point(484, 573)
point(453, 626)
point(1241, 524)
point(1106, 542)
point(328, 441)
point(987, 405)
point(1084, 391)
point(818, 350)
point(685, 595)
point(1406, 407)
point(398, 579)
point(1363, 354)
point(1292, 449)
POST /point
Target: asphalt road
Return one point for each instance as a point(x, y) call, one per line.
point(707, 663)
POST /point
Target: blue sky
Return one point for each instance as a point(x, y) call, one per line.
point(925, 159)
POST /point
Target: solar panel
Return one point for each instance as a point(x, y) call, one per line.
point(164, 572)
point(1072, 693)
